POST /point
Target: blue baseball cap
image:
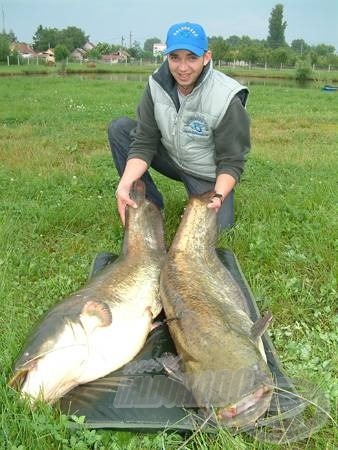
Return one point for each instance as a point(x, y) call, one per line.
point(187, 36)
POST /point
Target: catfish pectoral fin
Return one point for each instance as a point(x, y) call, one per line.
point(170, 319)
point(172, 366)
point(161, 323)
point(97, 310)
point(261, 325)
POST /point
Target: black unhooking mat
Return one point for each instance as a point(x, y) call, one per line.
point(141, 396)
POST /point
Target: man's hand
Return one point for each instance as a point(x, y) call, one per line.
point(134, 170)
point(215, 202)
point(123, 200)
point(224, 184)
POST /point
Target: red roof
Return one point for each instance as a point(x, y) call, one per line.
point(23, 48)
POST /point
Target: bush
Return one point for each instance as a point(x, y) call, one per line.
point(303, 70)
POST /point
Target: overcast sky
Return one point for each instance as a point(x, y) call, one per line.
point(315, 21)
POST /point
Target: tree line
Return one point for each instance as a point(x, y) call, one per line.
point(272, 51)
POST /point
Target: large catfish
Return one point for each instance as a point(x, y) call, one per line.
point(222, 357)
point(105, 324)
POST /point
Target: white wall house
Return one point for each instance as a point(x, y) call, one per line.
point(158, 49)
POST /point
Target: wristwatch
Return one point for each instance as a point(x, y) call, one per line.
point(218, 195)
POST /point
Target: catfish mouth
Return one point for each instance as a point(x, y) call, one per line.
point(18, 383)
point(21, 372)
point(18, 379)
point(247, 410)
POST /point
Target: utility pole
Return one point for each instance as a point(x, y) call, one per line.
point(3, 19)
point(122, 41)
point(130, 39)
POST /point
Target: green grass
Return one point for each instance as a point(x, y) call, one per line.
point(57, 210)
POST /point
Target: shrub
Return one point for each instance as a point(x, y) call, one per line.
point(303, 70)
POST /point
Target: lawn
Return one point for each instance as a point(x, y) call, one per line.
point(57, 210)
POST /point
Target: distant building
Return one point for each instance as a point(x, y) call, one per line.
point(88, 46)
point(49, 56)
point(23, 49)
point(78, 54)
point(158, 49)
point(116, 57)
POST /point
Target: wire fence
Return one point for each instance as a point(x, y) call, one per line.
point(20, 60)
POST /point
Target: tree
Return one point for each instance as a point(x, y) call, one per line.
point(300, 46)
point(148, 44)
point(61, 52)
point(11, 36)
point(276, 37)
point(233, 41)
point(324, 50)
point(93, 54)
point(279, 56)
point(45, 38)
point(250, 53)
point(103, 48)
point(219, 48)
point(4, 47)
point(135, 51)
point(72, 38)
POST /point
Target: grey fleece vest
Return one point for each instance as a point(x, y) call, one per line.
point(188, 134)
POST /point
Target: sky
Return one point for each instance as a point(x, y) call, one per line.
point(315, 21)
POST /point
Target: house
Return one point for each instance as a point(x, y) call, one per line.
point(116, 57)
point(88, 46)
point(23, 49)
point(78, 54)
point(48, 56)
point(158, 49)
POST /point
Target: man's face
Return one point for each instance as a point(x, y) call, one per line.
point(186, 67)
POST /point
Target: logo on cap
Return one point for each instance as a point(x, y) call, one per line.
point(185, 32)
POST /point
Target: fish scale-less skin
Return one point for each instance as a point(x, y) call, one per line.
point(203, 317)
point(105, 324)
point(210, 325)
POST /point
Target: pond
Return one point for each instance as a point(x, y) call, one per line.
point(247, 81)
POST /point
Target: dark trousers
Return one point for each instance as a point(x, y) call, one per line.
point(119, 141)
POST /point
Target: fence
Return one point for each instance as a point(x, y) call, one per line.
point(39, 60)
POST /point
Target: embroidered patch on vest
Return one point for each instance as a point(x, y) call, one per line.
point(196, 125)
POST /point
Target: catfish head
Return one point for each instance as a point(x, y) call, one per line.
point(252, 401)
point(251, 385)
point(56, 355)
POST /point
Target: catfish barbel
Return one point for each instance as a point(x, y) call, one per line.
point(105, 324)
point(222, 356)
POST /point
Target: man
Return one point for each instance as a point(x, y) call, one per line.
point(191, 126)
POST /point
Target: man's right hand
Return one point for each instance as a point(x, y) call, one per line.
point(123, 200)
point(134, 170)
